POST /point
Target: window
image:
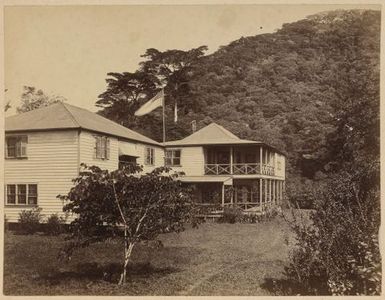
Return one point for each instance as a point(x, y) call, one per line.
point(172, 157)
point(32, 194)
point(11, 194)
point(278, 165)
point(21, 194)
point(102, 147)
point(16, 146)
point(149, 156)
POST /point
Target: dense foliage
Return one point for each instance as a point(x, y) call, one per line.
point(338, 253)
point(122, 202)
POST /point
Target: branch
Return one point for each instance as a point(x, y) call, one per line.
point(140, 221)
point(117, 202)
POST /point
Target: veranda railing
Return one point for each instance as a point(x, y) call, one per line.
point(238, 169)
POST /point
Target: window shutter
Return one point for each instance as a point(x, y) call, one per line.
point(97, 142)
point(24, 142)
point(107, 148)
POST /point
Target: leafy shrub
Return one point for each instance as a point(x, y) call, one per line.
point(250, 218)
point(338, 252)
point(299, 192)
point(55, 225)
point(108, 204)
point(236, 215)
point(29, 220)
point(231, 215)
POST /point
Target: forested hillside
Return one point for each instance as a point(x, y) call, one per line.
point(307, 89)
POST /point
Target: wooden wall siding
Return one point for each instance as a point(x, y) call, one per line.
point(159, 157)
point(192, 161)
point(87, 152)
point(52, 163)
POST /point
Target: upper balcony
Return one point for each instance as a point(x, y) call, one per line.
point(239, 160)
point(239, 169)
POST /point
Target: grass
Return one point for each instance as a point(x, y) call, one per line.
point(215, 259)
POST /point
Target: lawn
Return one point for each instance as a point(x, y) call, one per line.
point(215, 259)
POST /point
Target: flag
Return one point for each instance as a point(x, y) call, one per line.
point(149, 106)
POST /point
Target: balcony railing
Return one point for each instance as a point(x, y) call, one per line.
point(239, 169)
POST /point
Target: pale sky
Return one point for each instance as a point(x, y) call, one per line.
point(68, 50)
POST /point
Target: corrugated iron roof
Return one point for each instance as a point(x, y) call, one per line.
point(65, 116)
point(212, 134)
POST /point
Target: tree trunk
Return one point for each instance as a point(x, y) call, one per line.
point(128, 247)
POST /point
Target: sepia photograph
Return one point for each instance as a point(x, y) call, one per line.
point(172, 149)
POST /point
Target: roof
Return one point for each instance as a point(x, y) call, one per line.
point(211, 134)
point(214, 134)
point(206, 178)
point(65, 116)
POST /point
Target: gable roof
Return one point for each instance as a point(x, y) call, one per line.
point(212, 134)
point(65, 116)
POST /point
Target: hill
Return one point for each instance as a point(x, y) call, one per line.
point(304, 89)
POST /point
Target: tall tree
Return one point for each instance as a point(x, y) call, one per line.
point(171, 69)
point(33, 98)
point(125, 93)
point(174, 70)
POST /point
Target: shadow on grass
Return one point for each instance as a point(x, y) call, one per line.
point(109, 273)
point(281, 287)
point(287, 287)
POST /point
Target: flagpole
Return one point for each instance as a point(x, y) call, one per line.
point(164, 119)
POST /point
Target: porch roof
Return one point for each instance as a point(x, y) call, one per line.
point(128, 149)
point(224, 179)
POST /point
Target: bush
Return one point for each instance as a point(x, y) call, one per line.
point(231, 215)
point(338, 252)
point(55, 225)
point(29, 220)
point(236, 215)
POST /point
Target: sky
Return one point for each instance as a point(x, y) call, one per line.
point(68, 50)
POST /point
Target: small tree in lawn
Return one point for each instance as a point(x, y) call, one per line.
point(123, 202)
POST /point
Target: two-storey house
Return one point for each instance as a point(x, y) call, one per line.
point(228, 171)
point(45, 147)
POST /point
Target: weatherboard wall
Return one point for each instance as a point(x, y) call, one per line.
point(158, 157)
point(192, 161)
point(51, 163)
point(87, 152)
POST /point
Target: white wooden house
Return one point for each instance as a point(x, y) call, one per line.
point(227, 170)
point(45, 147)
